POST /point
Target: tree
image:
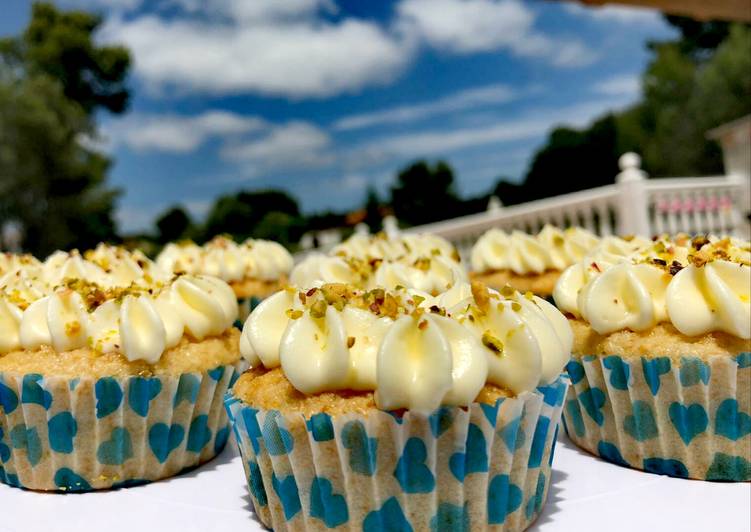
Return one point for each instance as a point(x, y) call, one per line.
point(372, 210)
point(173, 225)
point(239, 214)
point(424, 193)
point(51, 180)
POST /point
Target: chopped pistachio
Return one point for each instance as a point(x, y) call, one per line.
point(318, 310)
point(492, 343)
point(350, 341)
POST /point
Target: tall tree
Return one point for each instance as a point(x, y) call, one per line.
point(173, 225)
point(424, 193)
point(52, 79)
point(372, 210)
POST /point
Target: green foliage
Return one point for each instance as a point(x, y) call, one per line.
point(424, 193)
point(173, 225)
point(60, 44)
point(372, 210)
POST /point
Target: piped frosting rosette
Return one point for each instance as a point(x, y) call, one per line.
point(104, 385)
point(253, 268)
point(376, 409)
point(661, 363)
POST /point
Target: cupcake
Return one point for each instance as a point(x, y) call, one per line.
point(104, 385)
point(398, 247)
point(529, 262)
point(661, 364)
point(254, 269)
point(392, 410)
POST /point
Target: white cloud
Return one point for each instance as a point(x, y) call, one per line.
point(177, 133)
point(471, 26)
point(466, 99)
point(617, 14)
point(297, 57)
point(622, 85)
point(291, 145)
point(535, 124)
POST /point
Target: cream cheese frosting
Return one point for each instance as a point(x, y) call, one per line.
point(431, 274)
point(139, 321)
point(523, 254)
point(400, 247)
point(222, 257)
point(413, 350)
point(699, 285)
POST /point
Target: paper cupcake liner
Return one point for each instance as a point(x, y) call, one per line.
point(244, 307)
point(455, 469)
point(687, 418)
point(88, 433)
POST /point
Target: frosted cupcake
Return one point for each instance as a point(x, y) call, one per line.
point(399, 247)
point(391, 410)
point(529, 262)
point(104, 386)
point(254, 269)
point(661, 366)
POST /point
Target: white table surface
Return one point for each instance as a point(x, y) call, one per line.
point(586, 494)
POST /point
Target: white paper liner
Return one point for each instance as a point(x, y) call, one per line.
point(685, 418)
point(378, 472)
point(82, 434)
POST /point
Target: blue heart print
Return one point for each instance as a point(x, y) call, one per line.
point(729, 468)
point(73, 384)
point(187, 389)
point(199, 434)
point(222, 435)
point(141, 391)
point(22, 438)
point(504, 498)
point(451, 518)
point(666, 466)
point(8, 399)
point(491, 411)
point(33, 393)
point(396, 416)
point(252, 429)
point(611, 453)
point(441, 420)
point(129, 483)
point(327, 506)
point(163, 440)
point(4, 449)
point(62, 428)
point(620, 372)
point(535, 501)
point(389, 517)
point(512, 434)
point(552, 445)
point(653, 369)
point(689, 421)
point(68, 480)
point(9, 478)
point(233, 378)
point(475, 457)
point(641, 425)
point(363, 451)
point(411, 472)
point(277, 439)
point(693, 371)
point(730, 422)
point(593, 399)
point(744, 360)
point(552, 395)
point(109, 395)
point(321, 427)
point(575, 371)
point(255, 484)
point(286, 490)
point(217, 373)
point(538, 442)
point(574, 414)
point(117, 449)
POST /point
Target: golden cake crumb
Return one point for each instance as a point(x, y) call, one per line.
point(540, 284)
point(256, 287)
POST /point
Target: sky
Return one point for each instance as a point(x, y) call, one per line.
point(322, 98)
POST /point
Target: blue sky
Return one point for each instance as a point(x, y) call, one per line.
point(323, 97)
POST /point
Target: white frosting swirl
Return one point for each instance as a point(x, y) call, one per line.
point(550, 249)
point(413, 353)
point(697, 290)
point(221, 257)
point(138, 322)
point(409, 247)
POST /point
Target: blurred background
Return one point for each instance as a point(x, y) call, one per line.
point(143, 122)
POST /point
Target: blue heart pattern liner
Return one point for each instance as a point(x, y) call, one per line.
point(150, 427)
point(687, 417)
point(451, 469)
